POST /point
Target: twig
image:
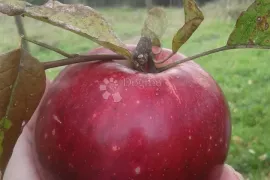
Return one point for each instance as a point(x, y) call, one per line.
point(224, 48)
point(82, 58)
point(59, 51)
point(21, 31)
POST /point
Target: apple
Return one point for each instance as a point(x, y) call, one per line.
point(107, 121)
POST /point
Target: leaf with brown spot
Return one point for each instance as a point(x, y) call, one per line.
point(252, 26)
point(155, 25)
point(77, 18)
point(22, 84)
point(193, 19)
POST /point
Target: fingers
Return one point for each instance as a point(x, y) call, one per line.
point(225, 172)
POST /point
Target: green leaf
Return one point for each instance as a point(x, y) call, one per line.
point(252, 26)
point(193, 18)
point(155, 25)
point(22, 84)
point(77, 18)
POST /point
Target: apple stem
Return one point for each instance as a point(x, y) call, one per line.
point(142, 56)
point(59, 51)
point(82, 58)
point(223, 48)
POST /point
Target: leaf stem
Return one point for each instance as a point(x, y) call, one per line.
point(82, 58)
point(21, 31)
point(223, 48)
point(59, 51)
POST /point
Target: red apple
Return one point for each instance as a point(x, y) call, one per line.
point(106, 121)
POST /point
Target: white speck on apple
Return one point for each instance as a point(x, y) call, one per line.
point(189, 137)
point(49, 157)
point(53, 132)
point(56, 119)
point(71, 165)
point(138, 102)
point(220, 140)
point(94, 115)
point(115, 148)
point(210, 137)
point(209, 150)
point(138, 170)
point(45, 136)
point(150, 117)
point(49, 102)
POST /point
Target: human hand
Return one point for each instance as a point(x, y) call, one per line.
point(23, 164)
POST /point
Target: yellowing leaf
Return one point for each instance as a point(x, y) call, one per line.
point(155, 25)
point(22, 84)
point(77, 18)
point(193, 18)
point(252, 26)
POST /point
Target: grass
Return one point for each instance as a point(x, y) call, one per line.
point(243, 75)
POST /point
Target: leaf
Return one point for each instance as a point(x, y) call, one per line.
point(77, 18)
point(22, 84)
point(193, 18)
point(155, 25)
point(252, 26)
point(13, 7)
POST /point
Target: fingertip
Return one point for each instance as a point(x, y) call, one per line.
point(225, 172)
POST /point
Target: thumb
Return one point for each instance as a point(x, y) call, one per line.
point(225, 172)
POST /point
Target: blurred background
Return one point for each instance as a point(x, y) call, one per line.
point(243, 75)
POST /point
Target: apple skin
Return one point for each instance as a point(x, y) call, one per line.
point(175, 127)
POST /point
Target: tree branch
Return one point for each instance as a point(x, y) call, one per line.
point(21, 30)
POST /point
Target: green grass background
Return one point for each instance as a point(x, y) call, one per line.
point(244, 75)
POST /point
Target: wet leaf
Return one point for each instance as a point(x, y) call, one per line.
point(77, 18)
point(155, 25)
point(22, 84)
point(193, 18)
point(252, 26)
